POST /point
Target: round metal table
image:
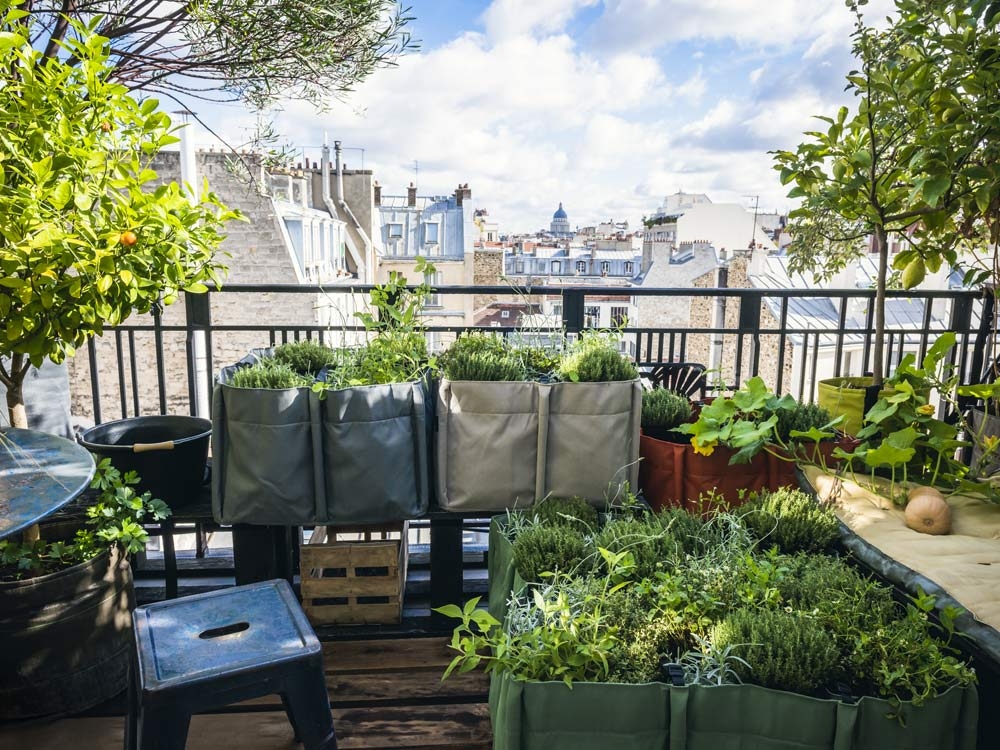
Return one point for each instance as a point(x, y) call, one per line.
point(39, 474)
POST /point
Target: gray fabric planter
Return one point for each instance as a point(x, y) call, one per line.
point(288, 457)
point(605, 716)
point(503, 445)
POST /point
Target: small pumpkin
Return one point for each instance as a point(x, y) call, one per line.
point(927, 512)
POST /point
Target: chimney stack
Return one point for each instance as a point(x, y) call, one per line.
point(462, 194)
point(411, 195)
point(378, 193)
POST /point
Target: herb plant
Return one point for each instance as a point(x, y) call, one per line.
point(664, 409)
point(706, 594)
point(269, 375)
point(114, 520)
point(482, 357)
point(781, 650)
point(305, 357)
point(565, 511)
point(594, 358)
point(548, 549)
point(790, 519)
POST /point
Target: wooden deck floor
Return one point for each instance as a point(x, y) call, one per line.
point(384, 693)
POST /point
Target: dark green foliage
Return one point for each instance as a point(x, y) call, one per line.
point(835, 591)
point(269, 375)
point(640, 651)
point(547, 549)
point(906, 659)
point(653, 547)
point(664, 408)
point(305, 357)
point(482, 357)
point(802, 417)
point(692, 535)
point(792, 520)
point(784, 650)
point(539, 362)
point(394, 356)
point(565, 511)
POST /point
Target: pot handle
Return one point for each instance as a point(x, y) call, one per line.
point(166, 445)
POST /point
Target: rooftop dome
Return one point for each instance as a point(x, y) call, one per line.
point(560, 214)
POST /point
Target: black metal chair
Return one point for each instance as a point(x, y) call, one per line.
point(687, 378)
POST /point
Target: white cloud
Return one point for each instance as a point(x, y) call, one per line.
point(651, 24)
point(511, 18)
point(530, 116)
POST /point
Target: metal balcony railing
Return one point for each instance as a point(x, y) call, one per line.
point(792, 338)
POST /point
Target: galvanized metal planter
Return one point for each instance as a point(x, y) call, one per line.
point(67, 638)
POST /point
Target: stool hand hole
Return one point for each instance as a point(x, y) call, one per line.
point(232, 629)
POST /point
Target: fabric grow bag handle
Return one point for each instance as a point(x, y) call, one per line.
point(166, 445)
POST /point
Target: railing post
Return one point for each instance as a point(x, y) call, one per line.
point(573, 310)
point(961, 320)
point(198, 310)
point(750, 305)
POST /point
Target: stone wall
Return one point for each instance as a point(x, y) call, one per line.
point(487, 270)
point(256, 255)
point(703, 315)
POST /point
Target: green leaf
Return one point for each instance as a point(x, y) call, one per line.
point(935, 187)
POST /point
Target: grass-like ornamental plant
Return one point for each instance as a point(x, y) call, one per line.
point(781, 650)
point(269, 375)
point(664, 409)
point(305, 357)
point(790, 519)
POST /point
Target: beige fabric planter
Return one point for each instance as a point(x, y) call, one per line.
point(502, 445)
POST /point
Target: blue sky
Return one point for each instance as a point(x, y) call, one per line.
point(606, 105)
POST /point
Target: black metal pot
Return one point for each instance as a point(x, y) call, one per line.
point(168, 451)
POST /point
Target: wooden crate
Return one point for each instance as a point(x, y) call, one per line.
point(354, 575)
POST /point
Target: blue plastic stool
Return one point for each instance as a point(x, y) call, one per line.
point(211, 650)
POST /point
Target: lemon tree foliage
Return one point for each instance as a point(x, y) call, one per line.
point(915, 156)
point(87, 234)
point(253, 50)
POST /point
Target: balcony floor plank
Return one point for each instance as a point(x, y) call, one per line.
point(403, 728)
point(386, 693)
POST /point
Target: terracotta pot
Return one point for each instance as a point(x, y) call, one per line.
point(661, 471)
point(731, 483)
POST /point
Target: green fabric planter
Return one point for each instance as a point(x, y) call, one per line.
point(503, 579)
point(605, 716)
point(288, 457)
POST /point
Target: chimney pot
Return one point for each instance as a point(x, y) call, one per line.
point(411, 195)
point(378, 193)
